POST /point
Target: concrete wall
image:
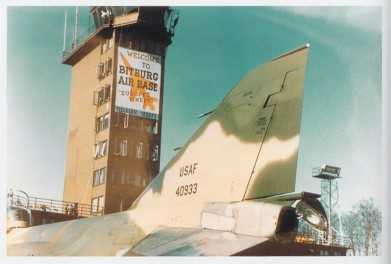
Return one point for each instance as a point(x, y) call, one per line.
point(82, 136)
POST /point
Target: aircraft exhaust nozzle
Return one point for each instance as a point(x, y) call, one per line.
point(313, 216)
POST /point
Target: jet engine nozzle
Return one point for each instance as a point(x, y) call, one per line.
point(314, 216)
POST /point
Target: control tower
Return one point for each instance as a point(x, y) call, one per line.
point(116, 101)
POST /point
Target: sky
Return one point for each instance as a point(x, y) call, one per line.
point(213, 48)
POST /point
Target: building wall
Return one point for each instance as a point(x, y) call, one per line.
point(82, 135)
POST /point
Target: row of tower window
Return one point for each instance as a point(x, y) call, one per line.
point(97, 205)
point(124, 176)
point(140, 150)
point(119, 176)
point(99, 98)
point(127, 122)
point(123, 147)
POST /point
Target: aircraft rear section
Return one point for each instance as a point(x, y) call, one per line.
point(246, 148)
point(264, 227)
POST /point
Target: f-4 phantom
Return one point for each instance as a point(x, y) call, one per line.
point(228, 191)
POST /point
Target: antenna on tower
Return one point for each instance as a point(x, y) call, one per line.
point(76, 27)
point(65, 31)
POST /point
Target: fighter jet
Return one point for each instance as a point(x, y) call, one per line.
point(228, 191)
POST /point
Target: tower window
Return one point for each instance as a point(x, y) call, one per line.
point(139, 150)
point(121, 147)
point(123, 175)
point(126, 120)
point(102, 96)
point(97, 204)
point(124, 148)
point(102, 122)
point(104, 68)
point(106, 45)
point(155, 128)
point(100, 149)
point(108, 66)
point(155, 153)
point(99, 176)
point(100, 70)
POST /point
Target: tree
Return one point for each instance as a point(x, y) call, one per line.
point(363, 226)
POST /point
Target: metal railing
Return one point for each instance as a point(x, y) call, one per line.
point(54, 206)
point(82, 37)
point(319, 239)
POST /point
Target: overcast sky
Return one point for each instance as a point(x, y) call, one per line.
point(212, 50)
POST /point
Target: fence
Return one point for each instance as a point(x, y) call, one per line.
point(54, 206)
point(319, 239)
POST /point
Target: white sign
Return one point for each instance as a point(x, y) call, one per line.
point(138, 83)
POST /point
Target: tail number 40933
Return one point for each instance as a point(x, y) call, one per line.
point(187, 189)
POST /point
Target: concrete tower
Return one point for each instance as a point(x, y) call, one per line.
point(116, 103)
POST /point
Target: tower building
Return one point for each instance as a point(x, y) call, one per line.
point(116, 102)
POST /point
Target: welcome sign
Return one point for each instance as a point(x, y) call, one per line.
point(138, 83)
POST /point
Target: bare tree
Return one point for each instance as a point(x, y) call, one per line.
point(363, 226)
point(351, 230)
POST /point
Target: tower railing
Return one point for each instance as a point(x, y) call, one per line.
point(81, 38)
point(76, 210)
